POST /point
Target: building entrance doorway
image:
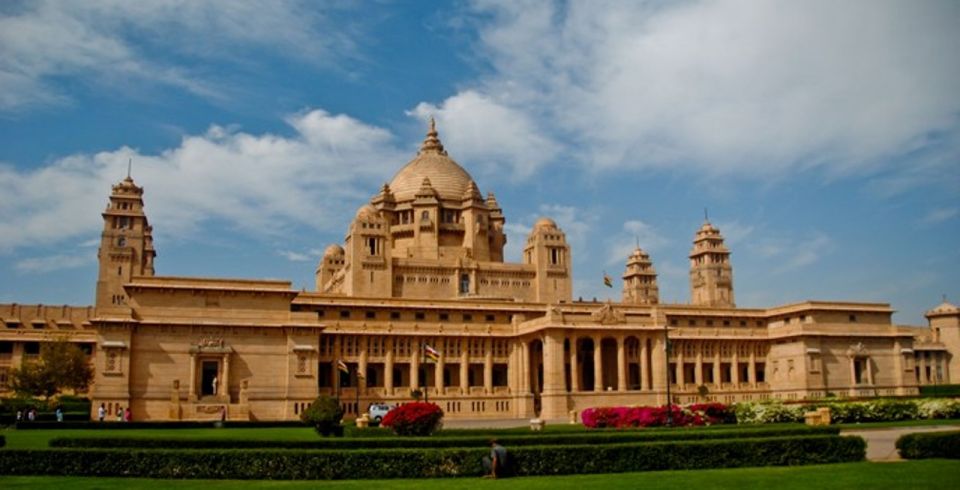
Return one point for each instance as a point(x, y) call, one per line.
point(209, 379)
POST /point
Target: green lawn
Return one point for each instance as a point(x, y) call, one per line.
point(912, 474)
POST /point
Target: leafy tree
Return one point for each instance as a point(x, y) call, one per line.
point(60, 366)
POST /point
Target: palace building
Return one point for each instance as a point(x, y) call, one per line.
point(421, 268)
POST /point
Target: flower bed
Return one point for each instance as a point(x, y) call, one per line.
point(414, 419)
point(691, 415)
point(879, 410)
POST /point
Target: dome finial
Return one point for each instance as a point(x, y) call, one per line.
point(432, 144)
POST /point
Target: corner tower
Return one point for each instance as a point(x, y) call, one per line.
point(944, 323)
point(126, 244)
point(548, 252)
point(711, 275)
point(640, 280)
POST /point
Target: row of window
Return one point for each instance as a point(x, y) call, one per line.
point(691, 322)
point(396, 315)
point(33, 348)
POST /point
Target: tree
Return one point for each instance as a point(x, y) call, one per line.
point(61, 366)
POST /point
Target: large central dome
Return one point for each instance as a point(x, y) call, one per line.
point(447, 177)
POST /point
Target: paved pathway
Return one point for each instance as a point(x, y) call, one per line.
point(881, 443)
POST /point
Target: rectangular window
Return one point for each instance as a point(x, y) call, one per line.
point(394, 315)
point(467, 317)
point(444, 317)
point(344, 313)
point(490, 318)
point(31, 348)
point(371, 315)
point(419, 315)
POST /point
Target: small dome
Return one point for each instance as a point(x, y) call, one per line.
point(366, 211)
point(945, 308)
point(446, 176)
point(545, 223)
point(333, 250)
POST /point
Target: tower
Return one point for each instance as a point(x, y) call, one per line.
point(640, 280)
point(548, 251)
point(367, 265)
point(126, 244)
point(711, 275)
point(945, 328)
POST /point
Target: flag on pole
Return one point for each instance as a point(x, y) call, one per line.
point(431, 353)
point(342, 366)
point(607, 281)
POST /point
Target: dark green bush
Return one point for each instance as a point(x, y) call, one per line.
point(325, 415)
point(3, 441)
point(938, 391)
point(441, 442)
point(153, 425)
point(430, 462)
point(925, 445)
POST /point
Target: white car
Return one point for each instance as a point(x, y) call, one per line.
point(378, 411)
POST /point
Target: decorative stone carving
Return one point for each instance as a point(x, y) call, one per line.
point(608, 314)
point(858, 350)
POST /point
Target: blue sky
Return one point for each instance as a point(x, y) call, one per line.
point(824, 137)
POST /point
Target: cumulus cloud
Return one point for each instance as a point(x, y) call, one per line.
point(632, 234)
point(53, 263)
point(259, 183)
point(939, 215)
point(105, 42)
point(493, 137)
point(726, 86)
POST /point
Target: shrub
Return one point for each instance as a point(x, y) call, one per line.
point(620, 417)
point(940, 390)
point(767, 412)
point(3, 441)
point(430, 462)
point(939, 408)
point(930, 445)
point(325, 415)
point(414, 419)
point(511, 441)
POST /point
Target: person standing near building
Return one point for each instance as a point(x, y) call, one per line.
point(495, 464)
point(119, 414)
point(59, 413)
point(127, 415)
point(102, 412)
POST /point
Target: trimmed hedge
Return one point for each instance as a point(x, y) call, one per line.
point(940, 390)
point(923, 445)
point(431, 463)
point(111, 425)
point(442, 442)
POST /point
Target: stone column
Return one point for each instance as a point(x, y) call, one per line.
point(415, 363)
point(659, 369)
point(597, 363)
point(574, 368)
point(716, 367)
point(225, 382)
point(362, 366)
point(870, 380)
point(644, 365)
point(388, 368)
point(524, 367)
point(681, 373)
point(735, 366)
point(465, 366)
point(193, 378)
point(752, 368)
point(438, 368)
point(554, 396)
point(621, 364)
point(698, 370)
point(488, 366)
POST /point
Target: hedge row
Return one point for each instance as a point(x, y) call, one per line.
point(925, 445)
point(940, 390)
point(435, 442)
point(430, 463)
point(111, 425)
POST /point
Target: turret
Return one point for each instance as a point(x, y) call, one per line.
point(640, 280)
point(367, 266)
point(548, 251)
point(126, 245)
point(711, 275)
point(944, 323)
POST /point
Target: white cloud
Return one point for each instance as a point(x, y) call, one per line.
point(262, 184)
point(939, 215)
point(109, 42)
point(786, 252)
point(727, 86)
point(575, 223)
point(53, 263)
point(633, 233)
point(491, 136)
point(294, 256)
